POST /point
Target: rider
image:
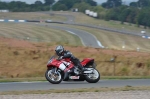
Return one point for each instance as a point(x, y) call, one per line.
point(62, 53)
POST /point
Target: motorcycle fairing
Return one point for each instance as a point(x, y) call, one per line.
point(87, 61)
point(55, 63)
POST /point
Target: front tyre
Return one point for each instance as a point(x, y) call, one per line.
point(94, 77)
point(52, 77)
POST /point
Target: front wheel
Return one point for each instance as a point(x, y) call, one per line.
point(94, 77)
point(52, 77)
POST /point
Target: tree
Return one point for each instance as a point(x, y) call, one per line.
point(67, 3)
point(38, 3)
point(112, 14)
point(112, 3)
point(3, 5)
point(134, 4)
point(91, 2)
point(143, 17)
point(124, 14)
point(104, 5)
point(49, 2)
point(17, 6)
point(59, 6)
point(71, 3)
point(98, 8)
point(143, 3)
point(132, 15)
point(82, 6)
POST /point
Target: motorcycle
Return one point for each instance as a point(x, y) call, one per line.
point(56, 69)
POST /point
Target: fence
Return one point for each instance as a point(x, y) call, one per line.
point(127, 67)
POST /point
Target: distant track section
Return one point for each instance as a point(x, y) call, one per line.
point(79, 24)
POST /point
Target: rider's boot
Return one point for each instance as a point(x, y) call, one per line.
point(66, 74)
point(81, 68)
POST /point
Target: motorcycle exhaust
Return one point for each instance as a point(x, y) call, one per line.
point(88, 71)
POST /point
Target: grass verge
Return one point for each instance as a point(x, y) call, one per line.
point(31, 16)
point(102, 89)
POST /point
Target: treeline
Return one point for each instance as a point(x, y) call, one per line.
point(136, 12)
point(18, 6)
point(68, 4)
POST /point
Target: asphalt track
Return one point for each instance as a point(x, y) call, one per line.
point(23, 86)
point(87, 38)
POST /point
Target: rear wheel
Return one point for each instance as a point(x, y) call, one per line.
point(54, 78)
point(94, 77)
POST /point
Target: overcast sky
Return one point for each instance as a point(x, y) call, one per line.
point(99, 1)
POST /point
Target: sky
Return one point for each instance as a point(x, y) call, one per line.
point(99, 1)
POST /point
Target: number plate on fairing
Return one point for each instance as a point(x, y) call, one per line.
point(74, 77)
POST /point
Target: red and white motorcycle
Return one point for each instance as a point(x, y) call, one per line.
point(56, 68)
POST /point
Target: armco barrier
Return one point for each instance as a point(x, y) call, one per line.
point(12, 20)
point(32, 21)
point(147, 37)
point(59, 22)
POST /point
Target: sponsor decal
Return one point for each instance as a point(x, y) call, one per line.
point(74, 77)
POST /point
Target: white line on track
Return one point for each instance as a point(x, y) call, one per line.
point(99, 43)
point(76, 35)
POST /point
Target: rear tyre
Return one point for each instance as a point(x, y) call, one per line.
point(53, 78)
point(93, 78)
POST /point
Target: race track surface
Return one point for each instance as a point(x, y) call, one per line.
point(87, 39)
point(18, 86)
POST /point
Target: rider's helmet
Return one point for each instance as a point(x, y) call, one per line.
point(59, 50)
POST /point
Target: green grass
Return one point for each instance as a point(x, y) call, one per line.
point(31, 16)
point(79, 18)
point(37, 33)
point(82, 18)
point(114, 40)
point(108, 39)
point(102, 89)
point(111, 24)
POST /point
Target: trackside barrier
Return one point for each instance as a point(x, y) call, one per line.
point(11, 20)
point(32, 21)
point(2, 20)
point(59, 22)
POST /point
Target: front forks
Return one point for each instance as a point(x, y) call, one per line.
point(55, 71)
